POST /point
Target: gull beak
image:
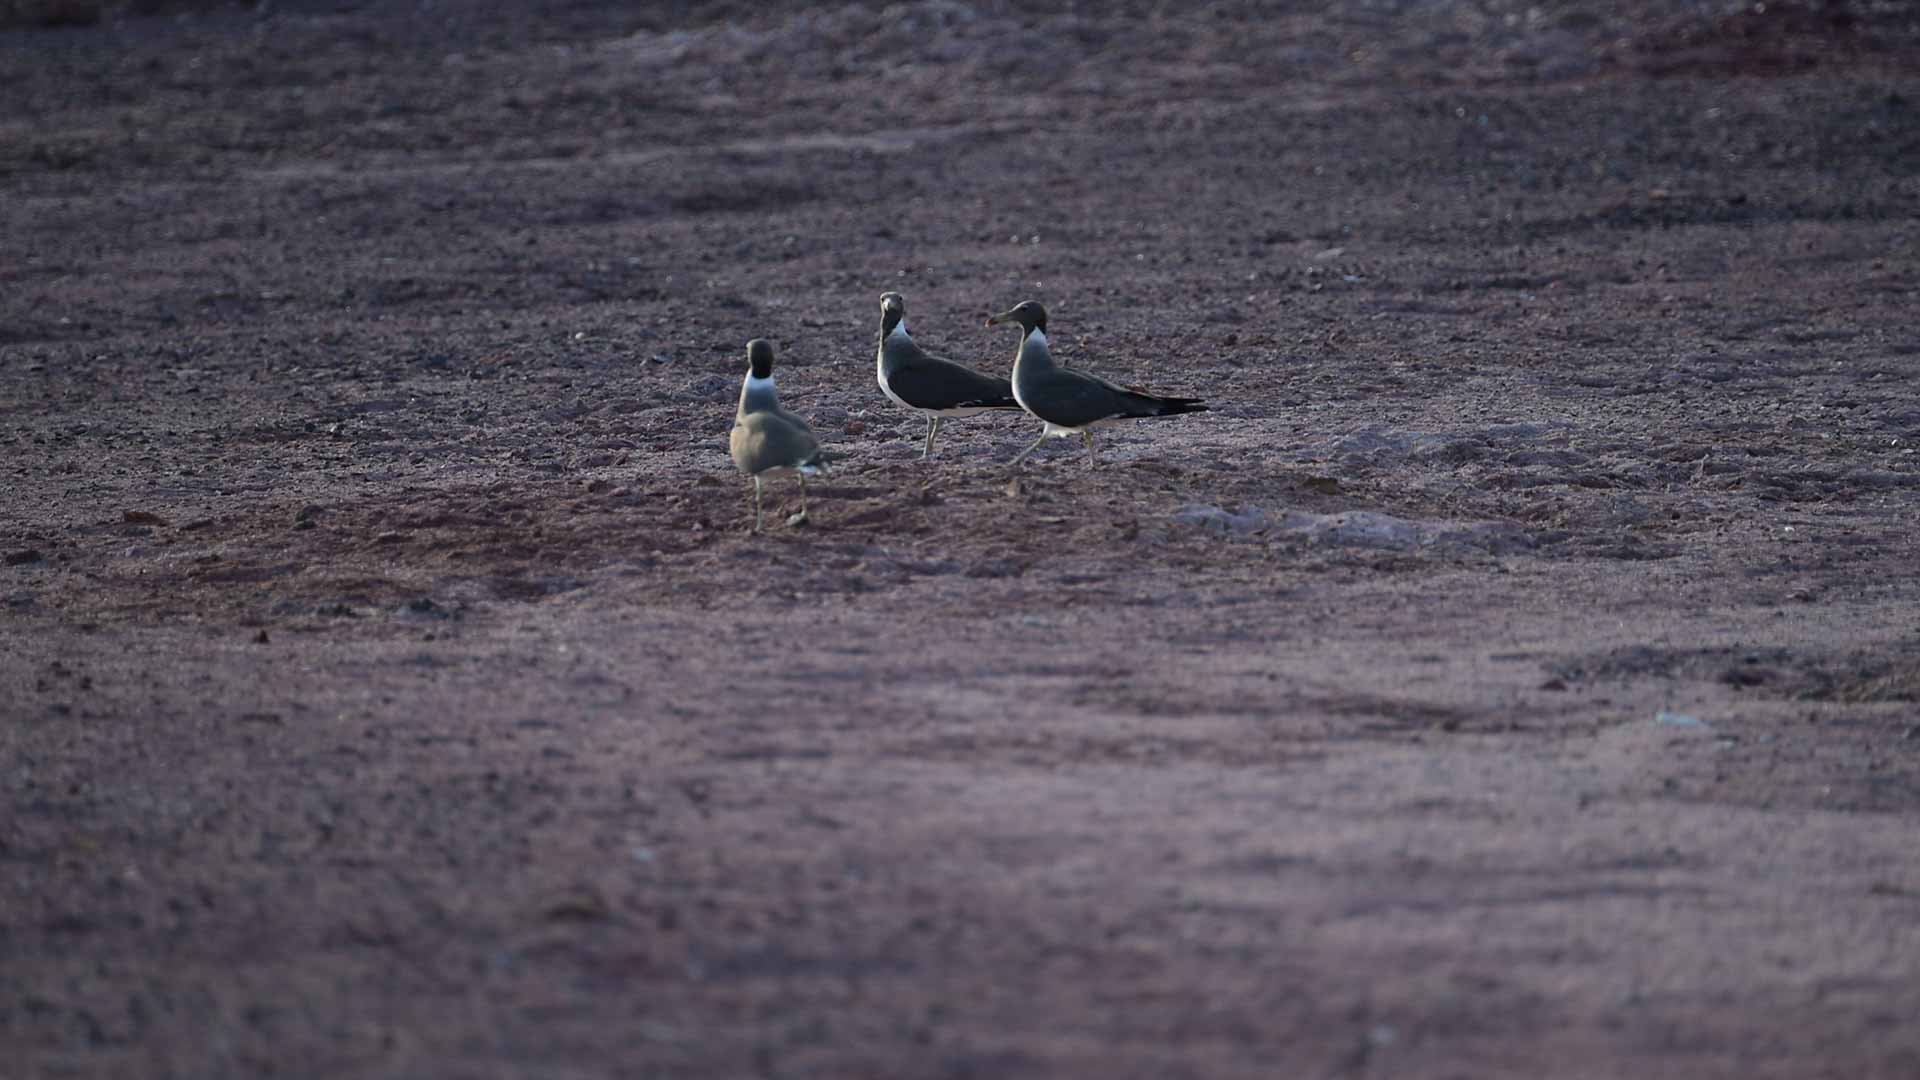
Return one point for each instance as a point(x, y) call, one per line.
point(996, 320)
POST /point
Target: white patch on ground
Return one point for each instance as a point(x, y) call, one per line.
point(1358, 529)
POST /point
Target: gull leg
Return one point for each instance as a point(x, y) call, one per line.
point(756, 504)
point(1087, 437)
point(1030, 449)
point(933, 428)
point(801, 517)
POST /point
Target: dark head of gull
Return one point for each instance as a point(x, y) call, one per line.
point(1028, 313)
point(760, 358)
point(893, 308)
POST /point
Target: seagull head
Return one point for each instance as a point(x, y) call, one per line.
point(760, 358)
point(1028, 313)
point(893, 308)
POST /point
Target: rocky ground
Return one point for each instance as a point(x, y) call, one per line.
point(1514, 674)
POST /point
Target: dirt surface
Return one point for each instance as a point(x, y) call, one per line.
point(1514, 674)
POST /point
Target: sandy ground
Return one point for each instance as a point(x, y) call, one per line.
point(1514, 674)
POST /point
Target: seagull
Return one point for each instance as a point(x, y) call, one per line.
point(927, 383)
point(1072, 402)
point(766, 439)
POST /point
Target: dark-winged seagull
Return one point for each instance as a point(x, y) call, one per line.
point(767, 440)
point(1072, 402)
point(931, 384)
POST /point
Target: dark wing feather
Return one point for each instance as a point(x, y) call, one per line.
point(933, 383)
point(925, 381)
point(1071, 399)
point(1075, 399)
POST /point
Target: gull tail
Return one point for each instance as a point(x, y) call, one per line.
point(1155, 405)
